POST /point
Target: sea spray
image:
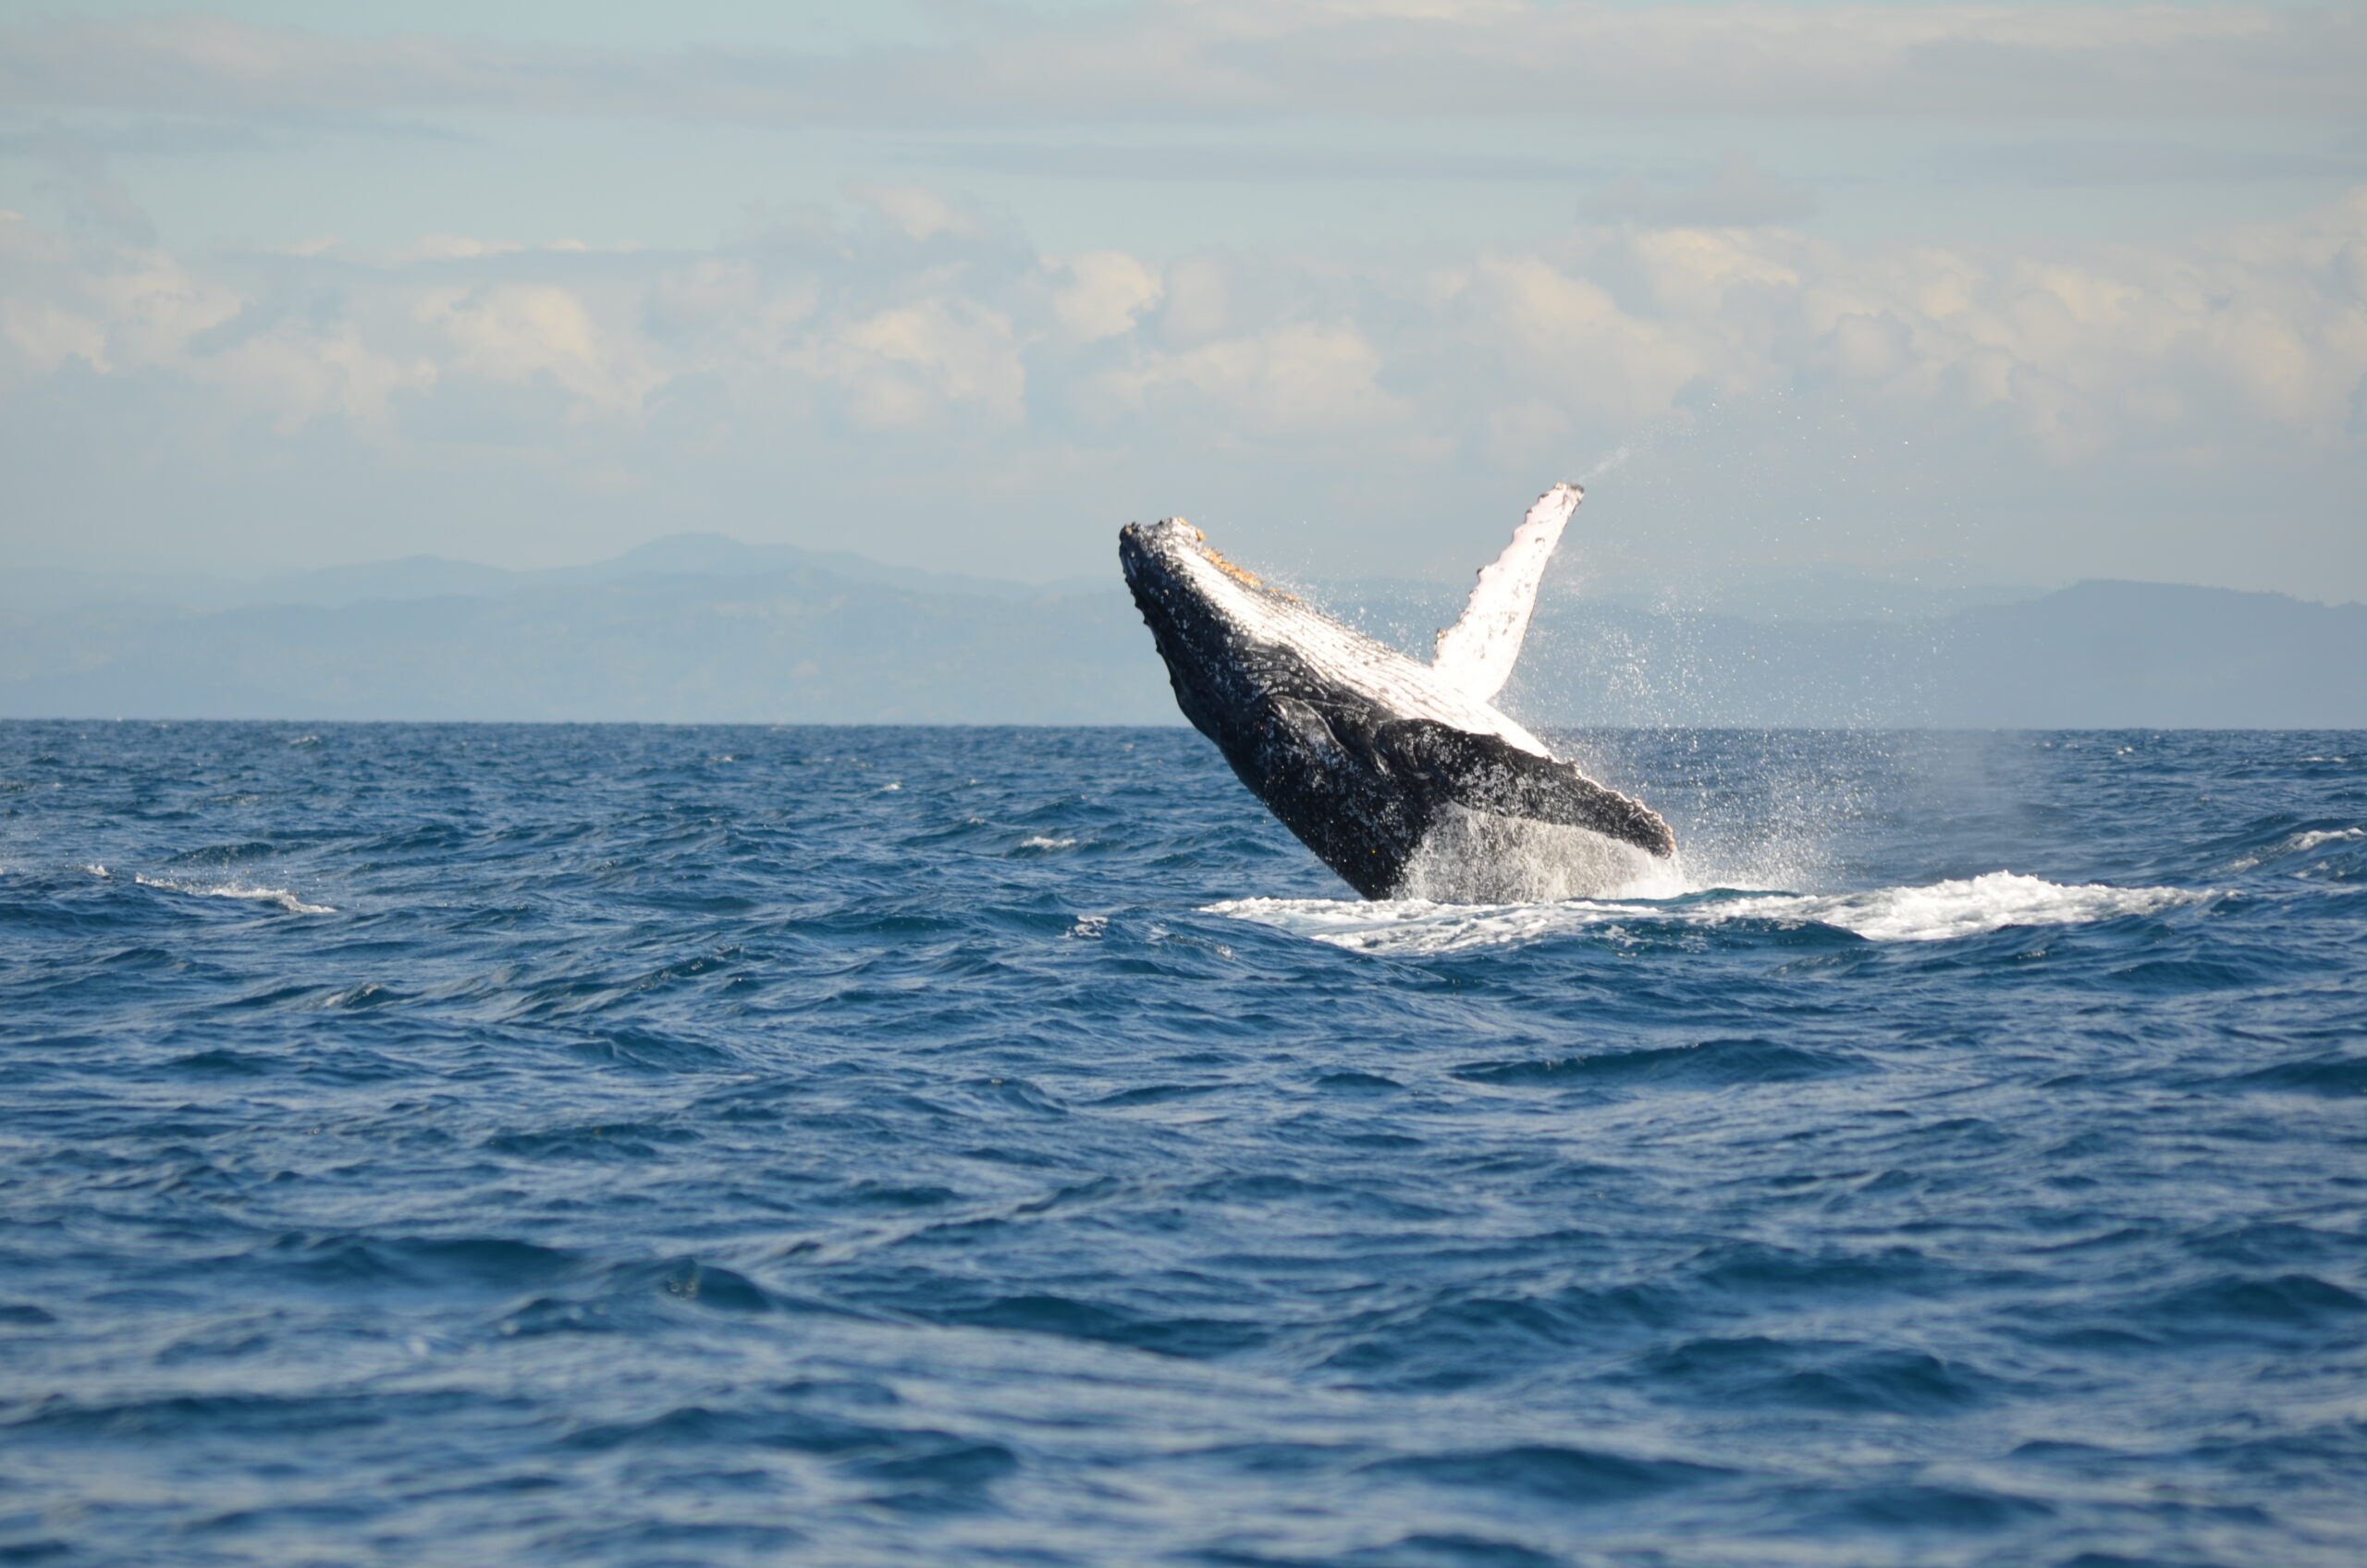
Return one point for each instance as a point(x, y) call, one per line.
point(1934, 913)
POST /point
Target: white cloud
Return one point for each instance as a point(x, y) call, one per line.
point(919, 212)
point(520, 333)
point(879, 361)
point(902, 366)
point(1102, 293)
point(1289, 379)
point(1556, 333)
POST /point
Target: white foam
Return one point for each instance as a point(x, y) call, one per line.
point(2301, 843)
point(1415, 925)
point(1968, 907)
point(1040, 842)
point(1934, 913)
point(279, 896)
point(1470, 857)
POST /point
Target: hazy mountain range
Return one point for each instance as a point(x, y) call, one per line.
point(701, 628)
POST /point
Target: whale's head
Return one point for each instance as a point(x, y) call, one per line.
point(1307, 741)
point(1154, 555)
point(1204, 613)
point(1171, 562)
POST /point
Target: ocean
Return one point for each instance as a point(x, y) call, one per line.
point(728, 1145)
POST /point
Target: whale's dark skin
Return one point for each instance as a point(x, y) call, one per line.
point(1359, 780)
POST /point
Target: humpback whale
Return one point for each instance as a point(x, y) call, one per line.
point(1404, 777)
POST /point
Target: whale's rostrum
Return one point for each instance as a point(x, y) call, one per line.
point(1402, 777)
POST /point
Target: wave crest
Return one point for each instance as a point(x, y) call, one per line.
point(1936, 911)
point(279, 896)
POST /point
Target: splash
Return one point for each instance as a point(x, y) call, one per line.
point(1932, 913)
point(1968, 907)
point(1618, 456)
point(1470, 857)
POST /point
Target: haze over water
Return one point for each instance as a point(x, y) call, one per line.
point(631, 1146)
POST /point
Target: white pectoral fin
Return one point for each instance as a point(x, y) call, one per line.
point(1477, 654)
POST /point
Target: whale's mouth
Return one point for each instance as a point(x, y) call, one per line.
point(1167, 569)
point(1171, 570)
point(1164, 554)
point(1215, 558)
point(1147, 551)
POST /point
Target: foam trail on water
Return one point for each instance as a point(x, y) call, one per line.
point(279, 896)
point(1968, 907)
point(1932, 913)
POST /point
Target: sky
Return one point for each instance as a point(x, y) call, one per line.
point(1973, 293)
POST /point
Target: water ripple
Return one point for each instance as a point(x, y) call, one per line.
point(634, 1146)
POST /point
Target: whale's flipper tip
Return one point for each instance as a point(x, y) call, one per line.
point(1478, 652)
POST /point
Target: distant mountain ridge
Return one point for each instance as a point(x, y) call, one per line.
point(427, 577)
point(704, 628)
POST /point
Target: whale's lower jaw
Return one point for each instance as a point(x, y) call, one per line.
point(1395, 803)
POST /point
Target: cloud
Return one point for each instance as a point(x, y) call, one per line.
point(1170, 59)
point(914, 364)
point(1103, 294)
point(919, 212)
point(1736, 194)
point(2265, 326)
point(921, 351)
point(93, 200)
point(1266, 162)
point(1291, 379)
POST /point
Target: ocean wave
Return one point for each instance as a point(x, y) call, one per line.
point(1936, 911)
point(707, 1151)
point(282, 897)
point(2297, 843)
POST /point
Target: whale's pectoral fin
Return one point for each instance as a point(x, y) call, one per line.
point(1482, 773)
point(1477, 654)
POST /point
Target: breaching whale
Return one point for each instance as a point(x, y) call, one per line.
point(1402, 777)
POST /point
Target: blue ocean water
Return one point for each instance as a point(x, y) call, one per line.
point(618, 1146)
